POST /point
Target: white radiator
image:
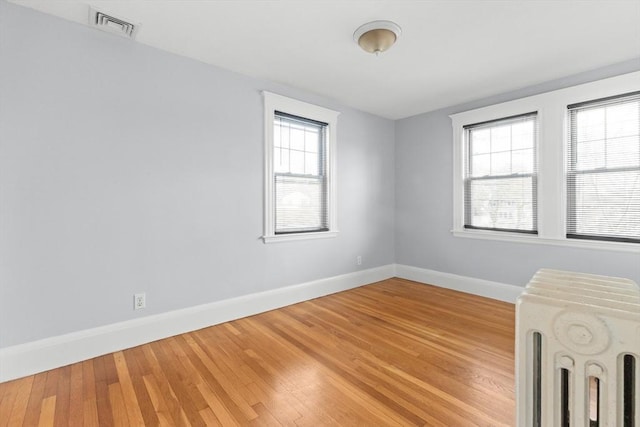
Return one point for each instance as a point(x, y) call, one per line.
point(578, 351)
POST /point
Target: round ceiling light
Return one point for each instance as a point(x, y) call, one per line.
point(377, 36)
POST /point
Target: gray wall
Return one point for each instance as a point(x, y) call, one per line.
point(424, 205)
point(125, 169)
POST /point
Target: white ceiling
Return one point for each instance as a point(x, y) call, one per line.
point(450, 51)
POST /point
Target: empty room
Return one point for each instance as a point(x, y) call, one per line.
point(320, 213)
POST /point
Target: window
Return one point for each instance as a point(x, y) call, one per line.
point(500, 175)
point(603, 173)
point(552, 168)
point(300, 176)
point(300, 191)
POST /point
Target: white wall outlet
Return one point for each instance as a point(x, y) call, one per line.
point(359, 260)
point(139, 301)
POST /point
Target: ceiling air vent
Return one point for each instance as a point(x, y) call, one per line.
point(111, 24)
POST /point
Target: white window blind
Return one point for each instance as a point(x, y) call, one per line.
point(500, 184)
point(300, 180)
point(603, 174)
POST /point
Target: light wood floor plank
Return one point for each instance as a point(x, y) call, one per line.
point(7, 399)
point(103, 402)
point(160, 390)
point(76, 398)
point(21, 401)
point(90, 402)
point(216, 407)
point(209, 418)
point(391, 353)
point(128, 393)
point(118, 407)
point(174, 375)
point(32, 414)
point(47, 412)
point(164, 414)
point(136, 371)
point(220, 383)
point(62, 397)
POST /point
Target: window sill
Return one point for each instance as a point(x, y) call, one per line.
point(279, 238)
point(573, 243)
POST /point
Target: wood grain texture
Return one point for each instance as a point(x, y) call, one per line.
point(394, 353)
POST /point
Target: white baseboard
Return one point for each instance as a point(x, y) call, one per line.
point(470, 285)
point(38, 356)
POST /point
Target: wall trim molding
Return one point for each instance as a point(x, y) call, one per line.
point(470, 285)
point(49, 353)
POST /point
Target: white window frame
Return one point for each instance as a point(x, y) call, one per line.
point(553, 119)
point(272, 103)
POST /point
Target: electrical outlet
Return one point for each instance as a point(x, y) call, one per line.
point(359, 260)
point(139, 301)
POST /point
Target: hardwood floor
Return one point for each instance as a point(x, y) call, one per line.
point(391, 353)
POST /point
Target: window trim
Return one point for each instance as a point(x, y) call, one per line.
point(552, 142)
point(272, 103)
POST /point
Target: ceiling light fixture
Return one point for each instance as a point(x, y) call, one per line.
point(377, 36)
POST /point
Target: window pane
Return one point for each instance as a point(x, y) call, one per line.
point(481, 165)
point(311, 164)
point(590, 125)
point(281, 160)
point(311, 140)
point(608, 204)
point(480, 141)
point(623, 152)
point(297, 138)
point(505, 203)
point(522, 161)
point(299, 204)
point(501, 163)
point(590, 155)
point(622, 120)
point(296, 161)
point(281, 134)
point(522, 135)
point(501, 138)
